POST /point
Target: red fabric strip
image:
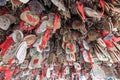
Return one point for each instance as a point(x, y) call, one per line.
point(7, 73)
point(90, 58)
point(81, 9)
point(71, 47)
point(56, 20)
point(45, 38)
point(5, 45)
point(104, 33)
point(34, 73)
point(10, 61)
point(30, 18)
point(15, 71)
point(108, 44)
point(43, 73)
point(102, 5)
point(40, 77)
point(115, 39)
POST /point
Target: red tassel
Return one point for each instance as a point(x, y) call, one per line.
point(7, 73)
point(102, 5)
point(81, 9)
point(45, 38)
point(56, 20)
point(5, 45)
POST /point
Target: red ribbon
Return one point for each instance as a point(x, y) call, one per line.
point(30, 18)
point(15, 71)
point(108, 44)
point(11, 61)
point(45, 38)
point(81, 9)
point(90, 58)
point(71, 47)
point(102, 5)
point(5, 45)
point(56, 20)
point(43, 73)
point(7, 73)
point(104, 33)
point(40, 77)
point(115, 39)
